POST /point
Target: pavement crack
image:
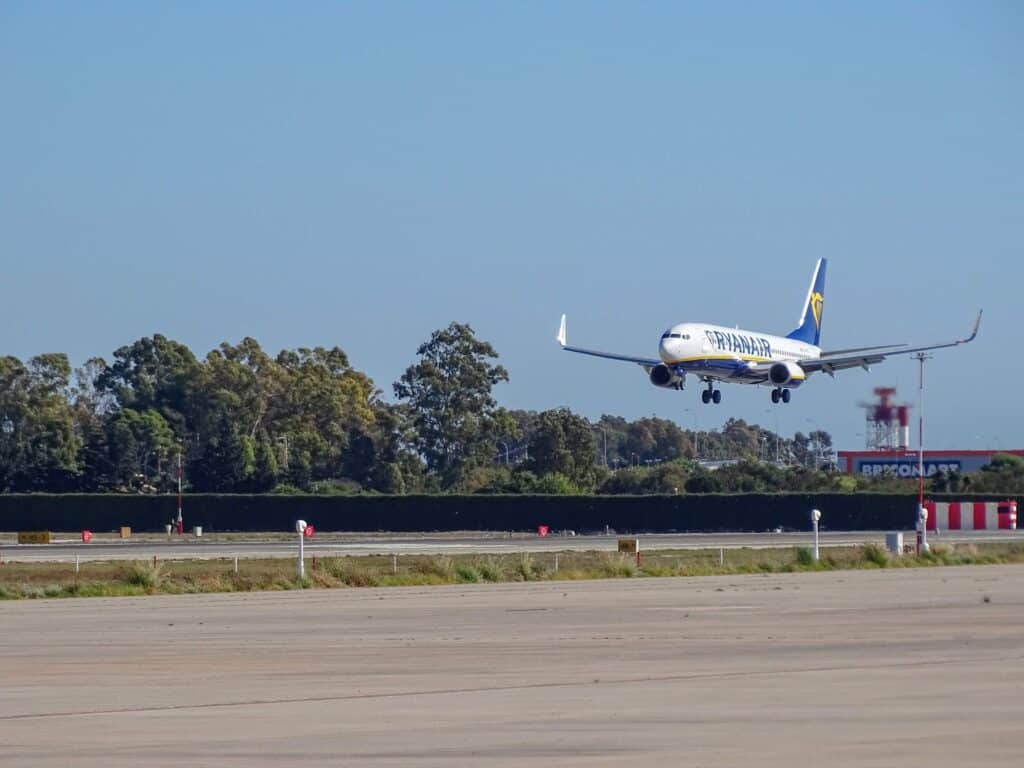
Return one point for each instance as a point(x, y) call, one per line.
point(697, 676)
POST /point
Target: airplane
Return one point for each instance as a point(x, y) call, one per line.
point(714, 353)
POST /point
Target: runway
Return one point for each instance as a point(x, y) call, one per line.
point(67, 547)
point(853, 668)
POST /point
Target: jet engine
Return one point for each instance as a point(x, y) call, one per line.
point(663, 376)
point(787, 374)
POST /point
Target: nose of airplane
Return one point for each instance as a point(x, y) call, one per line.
point(667, 348)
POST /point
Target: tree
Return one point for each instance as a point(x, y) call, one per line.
point(91, 408)
point(556, 484)
point(563, 443)
point(703, 482)
point(1003, 474)
point(378, 455)
point(267, 471)
point(447, 398)
point(665, 478)
point(324, 404)
point(156, 373)
point(140, 448)
point(228, 461)
point(39, 444)
point(656, 440)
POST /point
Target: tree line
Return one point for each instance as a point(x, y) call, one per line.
point(305, 420)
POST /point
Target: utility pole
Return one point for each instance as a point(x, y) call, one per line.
point(920, 357)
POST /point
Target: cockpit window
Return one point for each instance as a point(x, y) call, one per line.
point(670, 335)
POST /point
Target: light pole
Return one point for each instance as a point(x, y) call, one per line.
point(181, 473)
point(696, 432)
point(812, 442)
point(775, 412)
point(283, 440)
point(604, 434)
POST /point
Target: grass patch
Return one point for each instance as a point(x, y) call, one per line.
point(467, 573)
point(875, 555)
point(526, 568)
point(617, 566)
point(804, 556)
point(441, 567)
point(490, 569)
point(144, 574)
point(351, 572)
point(109, 579)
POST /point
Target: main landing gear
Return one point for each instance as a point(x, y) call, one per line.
point(711, 395)
point(780, 394)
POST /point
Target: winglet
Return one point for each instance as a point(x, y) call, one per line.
point(977, 325)
point(561, 332)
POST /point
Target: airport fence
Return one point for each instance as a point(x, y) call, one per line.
point(690, 512)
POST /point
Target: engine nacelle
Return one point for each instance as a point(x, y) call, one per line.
point(786, 374)
point(663, 376)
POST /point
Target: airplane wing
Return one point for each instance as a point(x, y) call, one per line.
point(646, 362)
point(850, 351)
point(836, 361)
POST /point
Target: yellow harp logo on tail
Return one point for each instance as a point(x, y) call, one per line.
point(817, 300)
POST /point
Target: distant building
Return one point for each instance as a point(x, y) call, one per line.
point(903, 463)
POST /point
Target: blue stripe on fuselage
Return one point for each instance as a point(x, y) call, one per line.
point(729, 368)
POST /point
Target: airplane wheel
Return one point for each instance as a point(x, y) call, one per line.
point(705, 397)
point(717, 396)
point(776, 395)
point(785, 395)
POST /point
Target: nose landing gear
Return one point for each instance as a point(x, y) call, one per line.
point(780, 394)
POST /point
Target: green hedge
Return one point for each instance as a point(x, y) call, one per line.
point(228, 512)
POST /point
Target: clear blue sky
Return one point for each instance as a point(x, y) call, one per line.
point(361, 174)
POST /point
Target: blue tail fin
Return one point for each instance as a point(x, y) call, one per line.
point(809, 330)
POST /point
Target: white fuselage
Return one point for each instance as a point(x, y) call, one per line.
point(732, 354)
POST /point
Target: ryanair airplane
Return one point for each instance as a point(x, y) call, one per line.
point(713, 353)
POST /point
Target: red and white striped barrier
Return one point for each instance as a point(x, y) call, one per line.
point(972, 515)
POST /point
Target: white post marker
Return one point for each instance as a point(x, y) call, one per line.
point(815, 518)
point(922, 513)
point(300, 528)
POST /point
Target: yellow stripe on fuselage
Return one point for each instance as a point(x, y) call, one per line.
point(745, 358)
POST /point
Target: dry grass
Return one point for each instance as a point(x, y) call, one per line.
point(95, 579)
